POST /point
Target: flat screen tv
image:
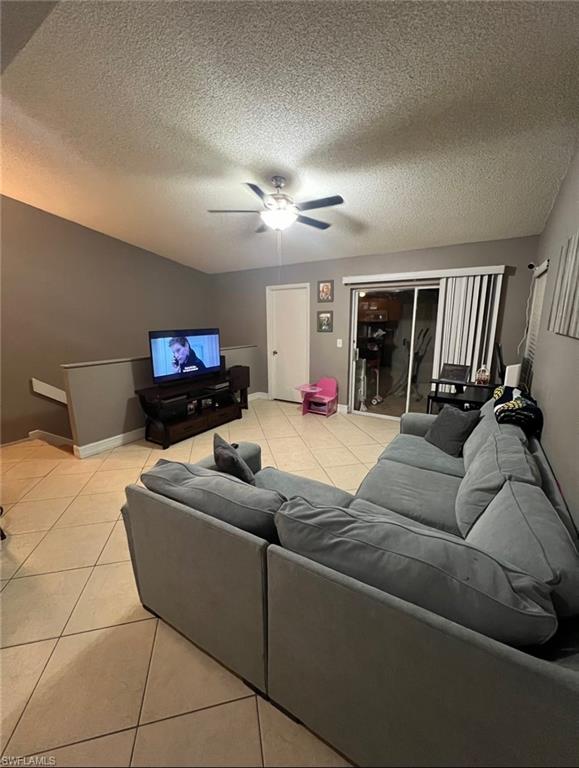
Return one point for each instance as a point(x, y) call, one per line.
point(184, 354)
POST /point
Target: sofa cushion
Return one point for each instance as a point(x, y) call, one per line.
point(422, 495)
point(486, 427)
point(368, 509)
point(416, 452)
point(521, 527)
point(228, 460)
point(217, 495)
point(488, 409)
point(437, 571)
point(292, 485)
point(450, 429)
point(502, 458)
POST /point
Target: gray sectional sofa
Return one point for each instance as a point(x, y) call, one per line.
point(380, 620)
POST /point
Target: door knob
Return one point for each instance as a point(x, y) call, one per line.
point(274, 352)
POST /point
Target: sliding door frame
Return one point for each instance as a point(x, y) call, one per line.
point(415, 286)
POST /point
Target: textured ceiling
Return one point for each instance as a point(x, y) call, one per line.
point(438, 122)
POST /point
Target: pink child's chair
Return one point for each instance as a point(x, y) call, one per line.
point(320, 397)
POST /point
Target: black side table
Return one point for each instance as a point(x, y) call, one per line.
point(466, 396)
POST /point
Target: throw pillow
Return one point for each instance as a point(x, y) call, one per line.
point(228, 460)
point(451, 428)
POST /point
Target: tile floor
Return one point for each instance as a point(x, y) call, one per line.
point(87, 675)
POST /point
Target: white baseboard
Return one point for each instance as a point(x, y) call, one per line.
point(49, 437)
point(258, 396)
point(265, 396)
point(92, 449)
point(383, 416)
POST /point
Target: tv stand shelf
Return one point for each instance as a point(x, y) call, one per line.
point(175, 412)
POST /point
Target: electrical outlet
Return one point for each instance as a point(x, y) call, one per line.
point(339, 343)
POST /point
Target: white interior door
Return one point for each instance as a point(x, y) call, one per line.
point(288, 340)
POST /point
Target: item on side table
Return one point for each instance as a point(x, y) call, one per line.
point(451, 373)
point(320, 397)
point(515, 406)
point(482, 376)
point(451, 428)
point(228, 460)
point(466, 395)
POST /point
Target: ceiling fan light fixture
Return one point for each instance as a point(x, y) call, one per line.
point(281, 211)
point(279, 218)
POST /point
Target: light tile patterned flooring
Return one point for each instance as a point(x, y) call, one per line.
point(87, 674)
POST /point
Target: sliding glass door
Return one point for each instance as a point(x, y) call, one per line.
point(423, 350)
point(393, 331)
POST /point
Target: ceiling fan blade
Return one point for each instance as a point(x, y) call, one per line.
point(261, 228)
point(231, 210)
point(256, 190)
point(322, 202)
point(313, 222)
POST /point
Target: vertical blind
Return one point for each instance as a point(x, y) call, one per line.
point(467, 320)
point(538, 296)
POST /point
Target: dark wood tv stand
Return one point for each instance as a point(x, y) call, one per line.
point(175, 412)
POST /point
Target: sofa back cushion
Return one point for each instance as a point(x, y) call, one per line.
point(503, 457)
point(429, 568)
point(486, 427)
point(289, 485)
point(521, 527)
point(488, 409)
point(217, 495)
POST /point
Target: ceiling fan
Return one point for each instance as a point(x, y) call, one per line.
point(280, 211)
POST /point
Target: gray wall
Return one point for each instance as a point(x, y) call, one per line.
point(556, 370)
point(241, 297)
point(101, 398)
point(71, 294)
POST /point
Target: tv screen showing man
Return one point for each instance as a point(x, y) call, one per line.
point(185, 359)
point(184, 354)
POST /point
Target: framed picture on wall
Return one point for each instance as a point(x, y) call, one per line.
point(325, 322)
point(325, 291)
